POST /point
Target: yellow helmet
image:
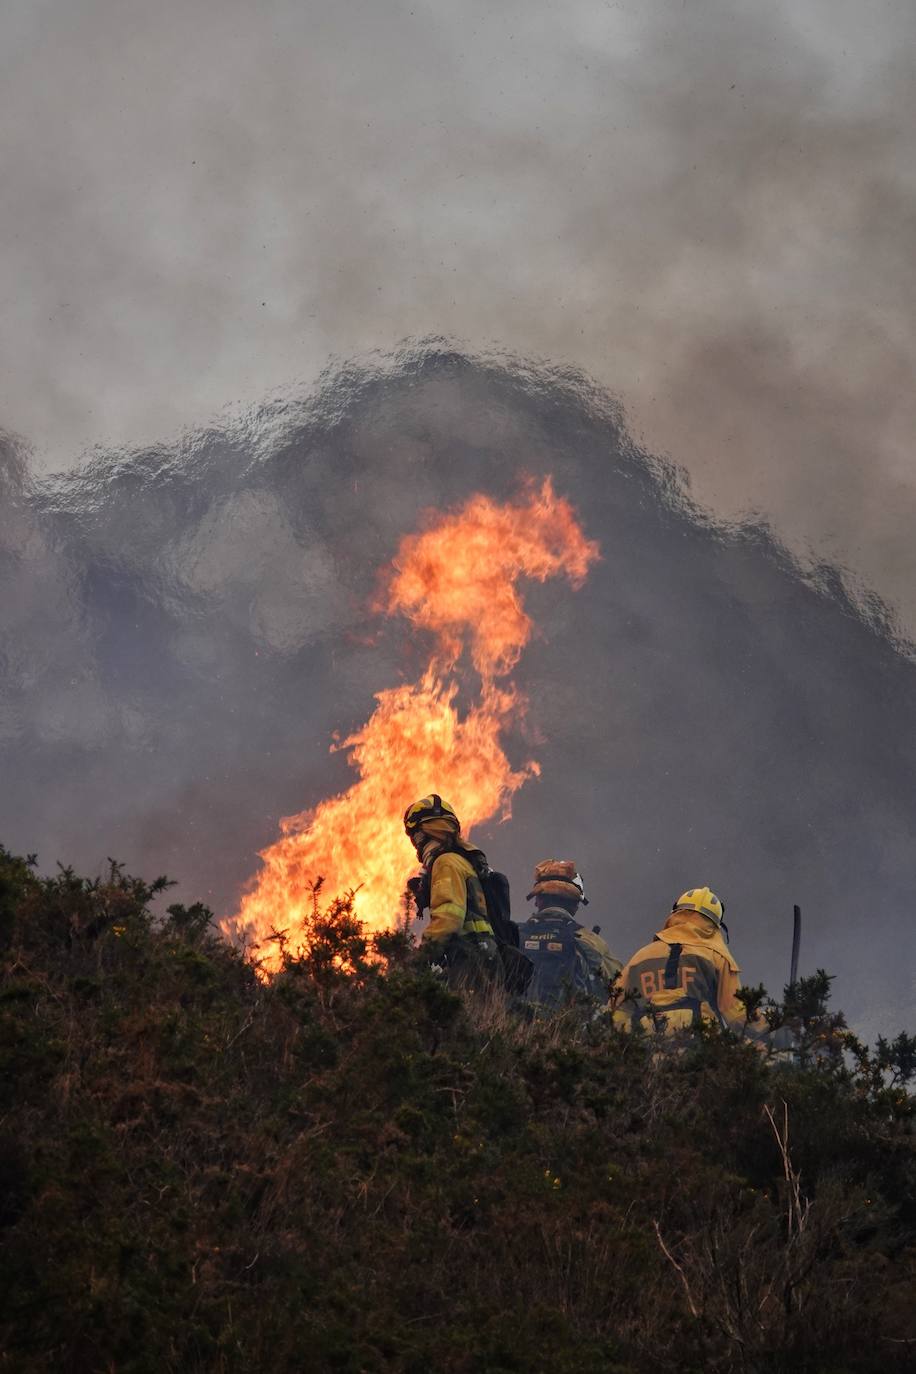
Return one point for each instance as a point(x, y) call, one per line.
point(432, 808)
point(704, 901)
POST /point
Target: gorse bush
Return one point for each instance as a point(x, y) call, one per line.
point(350, 1168)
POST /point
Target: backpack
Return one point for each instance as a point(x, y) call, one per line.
point(517, 968)
point(561, 965)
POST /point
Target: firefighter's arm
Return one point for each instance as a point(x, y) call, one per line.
point(621, 1004)
point(601, 957)
point(731, 1009)
point(447, 900)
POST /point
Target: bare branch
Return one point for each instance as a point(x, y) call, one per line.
point(679, 1268)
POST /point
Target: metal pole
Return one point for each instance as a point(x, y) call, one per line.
point(796, 943)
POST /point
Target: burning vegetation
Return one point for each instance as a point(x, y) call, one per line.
point(458, 581)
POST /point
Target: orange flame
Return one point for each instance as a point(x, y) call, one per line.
point(457, 579)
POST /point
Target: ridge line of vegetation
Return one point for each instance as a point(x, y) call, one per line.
point(350, 1168)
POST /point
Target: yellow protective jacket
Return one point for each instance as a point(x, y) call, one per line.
point(685, 974)
point(608, 965)
point(457, 905)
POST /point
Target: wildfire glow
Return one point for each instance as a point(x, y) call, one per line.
point(458, 579)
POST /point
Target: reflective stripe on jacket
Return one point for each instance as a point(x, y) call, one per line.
point(456, 902)
point(685, 974)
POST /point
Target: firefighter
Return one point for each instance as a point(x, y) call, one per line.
point(687, 974)
point(568, 958)
point(459, 937)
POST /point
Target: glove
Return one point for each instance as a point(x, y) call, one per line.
point(418, 888)
point(430, 957)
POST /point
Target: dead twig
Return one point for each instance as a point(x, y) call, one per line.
point(798, 1209)
point(678, 1268)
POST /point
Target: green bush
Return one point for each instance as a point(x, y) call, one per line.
point(351, 1168)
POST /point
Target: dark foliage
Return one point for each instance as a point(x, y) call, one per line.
point(350, 1168)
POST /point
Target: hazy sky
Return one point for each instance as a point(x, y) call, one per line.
point(710, 205)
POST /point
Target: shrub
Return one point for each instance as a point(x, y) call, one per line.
point(349, 1167)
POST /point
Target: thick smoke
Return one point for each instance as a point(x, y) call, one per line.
point(707, 205)
point(184, 629)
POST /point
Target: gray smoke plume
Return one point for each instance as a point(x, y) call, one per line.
point(707, 205)
point(185, 627)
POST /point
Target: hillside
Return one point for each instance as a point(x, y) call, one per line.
point(348, 1168)
point(209, 623)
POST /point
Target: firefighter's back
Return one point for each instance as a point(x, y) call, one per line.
point(563, 966)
